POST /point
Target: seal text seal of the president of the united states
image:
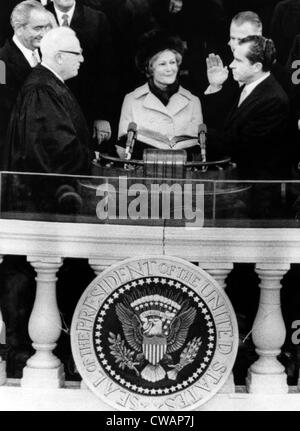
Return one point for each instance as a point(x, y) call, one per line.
point(154, 333)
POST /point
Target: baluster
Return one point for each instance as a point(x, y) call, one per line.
point(220, 271)
point(44, 369)
point(99, 265)
point(267, 374)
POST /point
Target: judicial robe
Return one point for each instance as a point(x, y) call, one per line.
point(47, 131)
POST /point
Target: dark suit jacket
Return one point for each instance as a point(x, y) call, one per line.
point(6, 30)
point(17, 69)
point(93, 86)
point(294, 77)
point(254, 134)
point(129, 19)
point(225, 98)
point(285, 25)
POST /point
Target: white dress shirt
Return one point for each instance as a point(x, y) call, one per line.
point(250, 87)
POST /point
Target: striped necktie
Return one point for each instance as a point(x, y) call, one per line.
point(65, 22)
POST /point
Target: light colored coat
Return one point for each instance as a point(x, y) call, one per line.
point(159, 125)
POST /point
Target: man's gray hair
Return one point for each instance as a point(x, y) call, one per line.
point(55, 40)
point(20, 14)
point(248, 17)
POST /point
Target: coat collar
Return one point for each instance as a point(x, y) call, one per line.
point(177, 102)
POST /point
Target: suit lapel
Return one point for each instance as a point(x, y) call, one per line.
point(78, 17)
point(253, 96)
point(235, 106)
point(18, 60)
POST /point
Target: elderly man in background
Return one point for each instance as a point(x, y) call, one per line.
point(30, 21)
point(48, 132)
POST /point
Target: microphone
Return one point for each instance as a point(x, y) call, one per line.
point(202, 130)
point(131, 134)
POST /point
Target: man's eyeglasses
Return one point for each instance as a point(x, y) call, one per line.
point(71, 52)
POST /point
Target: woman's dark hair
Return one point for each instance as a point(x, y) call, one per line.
point(156, 41)
point(261, 50)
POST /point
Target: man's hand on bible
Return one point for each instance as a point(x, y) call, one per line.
point(217, 74)
point(101, 131)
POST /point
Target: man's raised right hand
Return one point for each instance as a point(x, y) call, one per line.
point(217, 73)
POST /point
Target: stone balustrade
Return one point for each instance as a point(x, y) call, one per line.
point(215, 250)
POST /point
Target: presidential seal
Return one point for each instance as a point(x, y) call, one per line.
point(154, 333)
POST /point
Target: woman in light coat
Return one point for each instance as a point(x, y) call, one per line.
point(166, 115)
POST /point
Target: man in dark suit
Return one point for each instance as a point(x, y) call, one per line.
point(30, 21)
point(264, 9)
point(254, 131)
point(285, 25)
point(93, 85)
point(223, 89)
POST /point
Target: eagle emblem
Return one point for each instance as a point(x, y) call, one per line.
point(155, 326)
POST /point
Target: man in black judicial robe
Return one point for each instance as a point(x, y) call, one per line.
point(48, 132)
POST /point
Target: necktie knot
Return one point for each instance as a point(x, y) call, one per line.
point(65, 20)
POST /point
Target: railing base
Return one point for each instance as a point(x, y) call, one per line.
point(229, 386)
point(43, 378)
point(266, 384)
point(72, 398)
